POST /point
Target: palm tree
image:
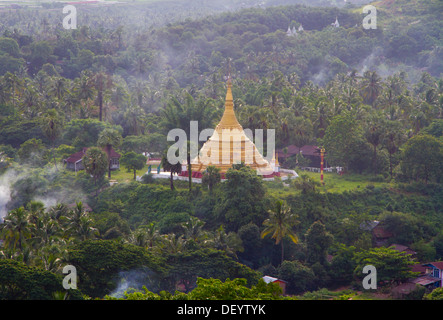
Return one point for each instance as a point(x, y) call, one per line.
point(15, 229)
point(145, 236)
point(211, 176)
point(193, 229)
point(371, 87)
point(44, 230)
point(280, 224)
point(134, 117)
point(14, 84)
point(52, 125)
point(374, 132)
point(85, 229)
point(393, 138)
point(107, 139)
point(79, 223)
point(84, 87)
point(302, 132)
point(172, 168)
point(101, 82)
point(96, 163)
point(53, 255)
point(172, 243)
point(58, 87)
point(320, 113)
point(230, 242)
point(177, 114)
point(31, 103)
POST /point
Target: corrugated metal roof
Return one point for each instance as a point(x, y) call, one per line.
point(425, 280)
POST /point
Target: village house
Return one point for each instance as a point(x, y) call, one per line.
point(280, 282)
point(74, 161)
point(429, 276)
point(433, 275)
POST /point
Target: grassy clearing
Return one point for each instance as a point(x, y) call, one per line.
point(122, 175)
point(333, 183)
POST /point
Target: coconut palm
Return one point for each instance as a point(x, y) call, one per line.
point(280, 224)
point(44, 230)
point(193, 229)
point(230, 242)
point(320, 114)
point(371, 87)
point(85, 229)
point(13, 84)
point(172, 243)
point(84, 87)
point(102, 82)
point(392, 141)
point(15, 229)
point(58, 87)
point(374, 131)
point(52, 125)
point(79, 223)
point(211, 176)
point(109, 138)
point(145, 236)
point(96, 163)
point(172, 168)
point(53, 255)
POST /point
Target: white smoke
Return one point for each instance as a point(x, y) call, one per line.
point(49, 196)
point(6, 180)
point(133, 280)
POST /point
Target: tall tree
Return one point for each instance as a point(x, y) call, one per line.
point(211, 176)
point(371, 87)
point(391, 264)
point(96, 163)
point(102, 82)
point(280, 224)
point(172, 168)
point(133, 161)
point(374, 131)
point(108, 139)
point(421, 158)
point(15, 229)
point(392, 141)
point(318, 241)
point(341, 140)
point(52, 126)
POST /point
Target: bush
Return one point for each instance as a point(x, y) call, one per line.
point(299, 277)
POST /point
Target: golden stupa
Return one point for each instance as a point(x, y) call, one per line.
point(229, 145)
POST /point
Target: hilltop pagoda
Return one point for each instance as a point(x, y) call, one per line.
point(229, 145)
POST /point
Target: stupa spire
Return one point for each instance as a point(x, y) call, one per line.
point(229, 120)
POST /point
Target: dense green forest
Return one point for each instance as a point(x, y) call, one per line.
point(133, 71)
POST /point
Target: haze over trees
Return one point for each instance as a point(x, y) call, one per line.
point(372, 98)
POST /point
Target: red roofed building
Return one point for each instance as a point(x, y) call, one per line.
point(74, 161)
point(280, 282)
